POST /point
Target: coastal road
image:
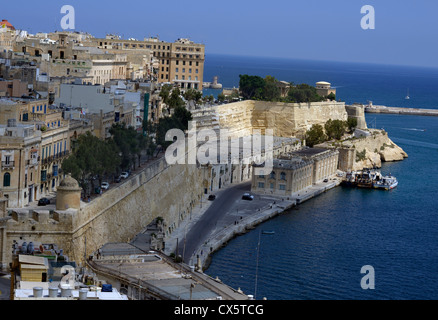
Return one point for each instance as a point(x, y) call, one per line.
point(225, 199)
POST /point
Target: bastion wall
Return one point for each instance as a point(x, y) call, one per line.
point(285, 119)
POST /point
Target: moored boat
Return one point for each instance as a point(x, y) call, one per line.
point(387, 183)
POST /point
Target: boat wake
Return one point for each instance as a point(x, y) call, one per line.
point(415, 143)
point(414, 129)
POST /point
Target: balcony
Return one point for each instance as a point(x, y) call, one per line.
point(8, 164)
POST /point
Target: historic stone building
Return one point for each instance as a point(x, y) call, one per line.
point(19, 176)
point(296, 171)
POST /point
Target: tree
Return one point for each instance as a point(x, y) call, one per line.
point(165, 93)
point(178, 120)
point(91, 157)
point(221, 97)
point(175, 99)
point(331, 96)
point(271, 91)
point(335, 129)
point(315, 135)
point(351, 124)
point(193, 95)
point(303, 93)
point(125, 138)
point(251, 86)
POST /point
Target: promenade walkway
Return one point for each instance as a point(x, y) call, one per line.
point(242, 216)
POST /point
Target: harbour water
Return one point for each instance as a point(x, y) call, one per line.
point(355, 82)
point(318, 249)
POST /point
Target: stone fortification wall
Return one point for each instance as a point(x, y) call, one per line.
point(118, 215)
point(285, 119)
point(357, 111)
point(159, 191)
point(367, 151)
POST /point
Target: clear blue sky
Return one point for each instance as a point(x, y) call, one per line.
point(406, 31)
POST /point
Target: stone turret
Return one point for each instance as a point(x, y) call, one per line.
point(68, 194)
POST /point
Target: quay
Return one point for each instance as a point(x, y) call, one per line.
point(401, 111)
point(241, 217)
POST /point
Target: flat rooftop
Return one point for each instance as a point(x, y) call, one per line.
point(165, 278)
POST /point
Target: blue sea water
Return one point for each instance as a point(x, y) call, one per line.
point(355, 82)
point(318, 250)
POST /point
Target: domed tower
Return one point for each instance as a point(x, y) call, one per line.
point(68, 194)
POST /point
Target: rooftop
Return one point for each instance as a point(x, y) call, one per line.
point(159, 274)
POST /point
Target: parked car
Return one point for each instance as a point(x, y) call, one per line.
point(117, 179)
point(325, 180)
point(248, 196)
point(124, 175)
point(211, 197)
point(105, 185)
point(43, 202)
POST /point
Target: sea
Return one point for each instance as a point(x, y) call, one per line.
point(347, 244)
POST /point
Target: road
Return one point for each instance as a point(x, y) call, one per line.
point(207, 223)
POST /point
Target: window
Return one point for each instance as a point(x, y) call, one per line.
point(176, 70)
point(271, 186)
point(272, 176)
point(283, 176)
point(7, 179)
point(261, 185)
point(43, 175)
point(176, 77)
point(282, 187)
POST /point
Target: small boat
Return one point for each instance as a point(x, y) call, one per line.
point(268, 232)
point(387, 183)
point(407, 97)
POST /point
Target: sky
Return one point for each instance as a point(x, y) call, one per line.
point(405, 32)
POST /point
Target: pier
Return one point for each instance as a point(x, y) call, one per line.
point(402, 111)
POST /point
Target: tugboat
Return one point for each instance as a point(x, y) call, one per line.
point(387, 183)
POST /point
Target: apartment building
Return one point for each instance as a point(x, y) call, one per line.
point(180, 62)
point(20, 149)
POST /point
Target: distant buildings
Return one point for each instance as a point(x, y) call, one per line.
point(180, 62)
point(324, 89)
point(55, 86)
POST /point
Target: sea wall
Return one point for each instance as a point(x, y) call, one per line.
point(369, 151)
point(285, 119)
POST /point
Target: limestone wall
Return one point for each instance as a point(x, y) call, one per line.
point(285, 119)
point(357, 111)
point(161, 190)
point(117, 216)
point(378, 148)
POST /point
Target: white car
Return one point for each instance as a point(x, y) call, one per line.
point(105, 185)
point(124, 175)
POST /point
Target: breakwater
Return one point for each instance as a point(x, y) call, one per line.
point(403, 111)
